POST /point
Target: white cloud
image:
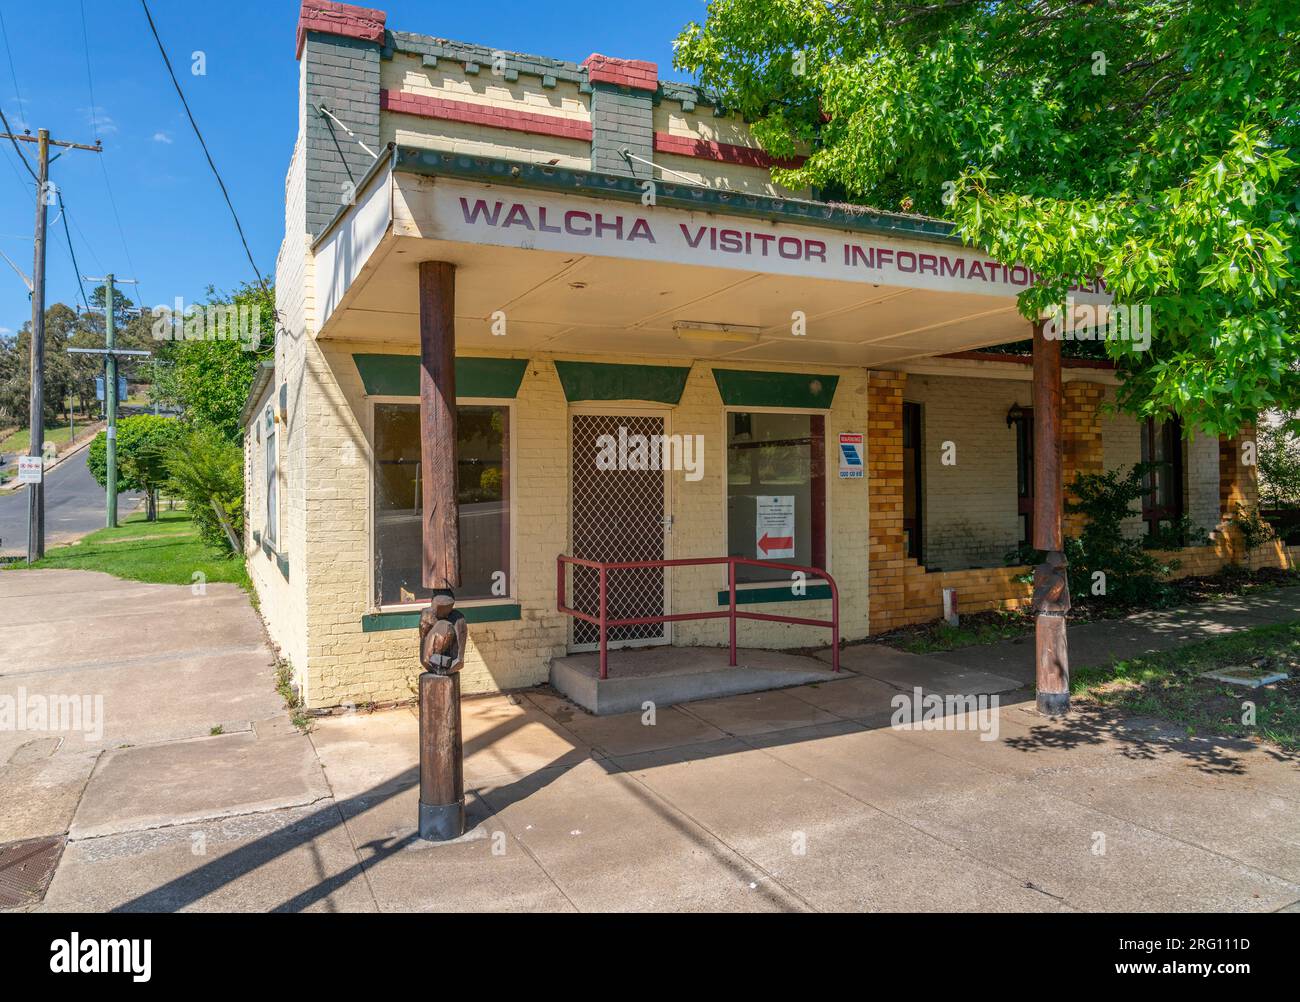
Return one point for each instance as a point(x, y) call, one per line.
point(100, 120)
point(162, 137)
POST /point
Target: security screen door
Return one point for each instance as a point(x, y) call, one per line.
point(619, 511)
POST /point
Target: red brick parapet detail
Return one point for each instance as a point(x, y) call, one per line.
point(729, 153)
point(363, 23)
point(635, 73)
point(488, 115)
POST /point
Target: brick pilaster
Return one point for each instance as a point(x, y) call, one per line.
point(622, 114)
point(339, 46)
point(1081, 449)
point(887, 560)
point(1238, 482)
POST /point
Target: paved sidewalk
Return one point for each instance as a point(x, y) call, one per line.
point(800, 799)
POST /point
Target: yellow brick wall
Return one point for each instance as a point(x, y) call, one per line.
point(450, 81)
point(730, 129)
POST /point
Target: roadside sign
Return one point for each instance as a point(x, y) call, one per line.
point(99, 387)
point(774, 527)
point(31, 469)
point(851, 465)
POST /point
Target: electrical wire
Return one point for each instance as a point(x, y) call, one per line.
point(63, 211)
point(211, 163)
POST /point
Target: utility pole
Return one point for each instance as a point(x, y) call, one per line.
point(110, 351)
point(36, 402)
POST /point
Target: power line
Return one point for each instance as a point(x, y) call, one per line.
point(94, 124)
point(21, 155)
point(195, 126)
point(63, 209)
point(17, 92)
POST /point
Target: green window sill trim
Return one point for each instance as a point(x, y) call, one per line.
point(779, 593)
point(379, 622)
point(280, 561)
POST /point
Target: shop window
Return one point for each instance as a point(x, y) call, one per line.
point(776, 491)
point(483, 495)
point(270, 441)
point(912, 453)
point(1162, 505)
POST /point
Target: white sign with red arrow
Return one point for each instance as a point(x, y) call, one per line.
point(774, 527)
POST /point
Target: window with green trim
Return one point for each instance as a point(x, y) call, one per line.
point(483, 494)
point(776, 491)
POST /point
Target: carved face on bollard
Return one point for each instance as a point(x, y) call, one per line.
point(443, 636)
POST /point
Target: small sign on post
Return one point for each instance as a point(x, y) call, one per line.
point(31, 469)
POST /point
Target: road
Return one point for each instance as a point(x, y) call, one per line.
point(74, 506)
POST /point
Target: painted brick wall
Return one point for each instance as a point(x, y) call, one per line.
point(349, 665)
point(342, 74)
point(621, 118)
point(700, 522)
point(672, 119)
point(1121, 437)
point(970, 507)
point(448, 79)
point(1202, 480)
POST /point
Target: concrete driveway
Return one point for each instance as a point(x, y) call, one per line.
point(802, 799)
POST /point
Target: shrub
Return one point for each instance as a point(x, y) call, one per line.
point(203, 467)
point(1130, 574)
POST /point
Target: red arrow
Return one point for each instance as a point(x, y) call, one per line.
point(769, 543)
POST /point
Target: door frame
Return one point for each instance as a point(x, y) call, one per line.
point(614, 409)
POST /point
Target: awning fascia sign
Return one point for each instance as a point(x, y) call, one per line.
point(598, 220)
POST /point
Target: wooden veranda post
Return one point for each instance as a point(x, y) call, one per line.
point(1051, 582)
point(442, 629)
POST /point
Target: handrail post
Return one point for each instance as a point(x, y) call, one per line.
point(604, 630)
point(835, 625)
point(731, 589)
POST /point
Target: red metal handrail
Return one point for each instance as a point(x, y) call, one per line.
point(602, 621)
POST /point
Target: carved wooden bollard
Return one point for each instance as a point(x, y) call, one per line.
point(443, 636)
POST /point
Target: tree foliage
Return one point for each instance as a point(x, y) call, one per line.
point(209, 378)
point(142, 442)
point(206, 468)
point(1151, 142)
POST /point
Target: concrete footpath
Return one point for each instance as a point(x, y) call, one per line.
point(803, 799)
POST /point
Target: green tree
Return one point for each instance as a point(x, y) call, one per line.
point(142, 443)
point(209, 378)
point(1149, 142)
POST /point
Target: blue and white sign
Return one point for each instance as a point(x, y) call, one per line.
point(852, 466)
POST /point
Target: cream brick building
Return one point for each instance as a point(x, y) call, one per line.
point(624, 261)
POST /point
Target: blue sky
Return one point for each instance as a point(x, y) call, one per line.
point(175, 233)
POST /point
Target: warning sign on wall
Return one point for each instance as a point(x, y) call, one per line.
point(851, 465)
point(774, 527)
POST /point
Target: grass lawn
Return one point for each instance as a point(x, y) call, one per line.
point(975, 629)
point(58, 434)
point(1168, 685)
point(164, 552)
